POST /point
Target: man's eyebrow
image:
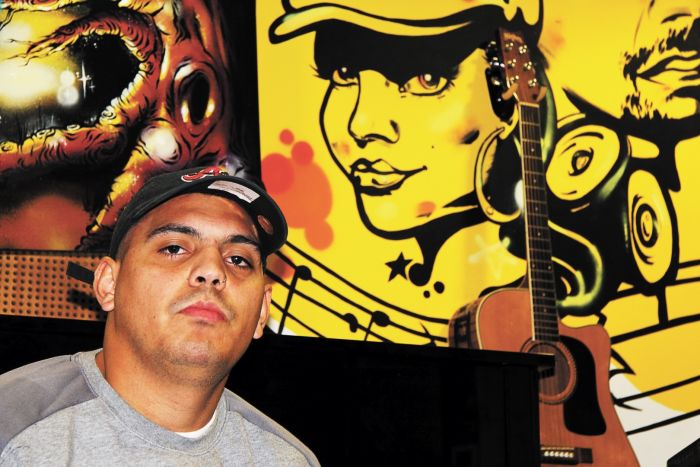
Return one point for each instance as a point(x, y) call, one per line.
point(238, 238)
point(177, 228)
point(191, 231)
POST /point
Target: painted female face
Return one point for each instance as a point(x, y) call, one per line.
point(404, 119)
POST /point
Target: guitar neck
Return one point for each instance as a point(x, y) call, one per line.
point(539, 245)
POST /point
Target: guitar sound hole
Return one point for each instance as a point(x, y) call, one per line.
point(556, 383)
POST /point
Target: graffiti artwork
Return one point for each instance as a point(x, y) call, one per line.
point(97, 97)
point(398, 166)
point(387, 140)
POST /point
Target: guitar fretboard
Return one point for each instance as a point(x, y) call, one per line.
point(539, 245)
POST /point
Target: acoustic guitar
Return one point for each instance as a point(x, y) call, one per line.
point(578, 423)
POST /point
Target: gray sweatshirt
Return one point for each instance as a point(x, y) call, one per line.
point(61, 411)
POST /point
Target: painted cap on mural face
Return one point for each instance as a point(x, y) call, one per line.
point(266, 215)
point(394, 17)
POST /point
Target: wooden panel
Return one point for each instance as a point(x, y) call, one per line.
point(35, 284)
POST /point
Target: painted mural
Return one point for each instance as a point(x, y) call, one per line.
point(96, 97)
point(384, 139)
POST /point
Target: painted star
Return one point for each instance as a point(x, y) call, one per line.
point(398, 266)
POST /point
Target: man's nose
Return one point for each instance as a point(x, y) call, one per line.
point(372, 118)
point(208, 270)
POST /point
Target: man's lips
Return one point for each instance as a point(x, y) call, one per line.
point(378, 176)
point(204, 310)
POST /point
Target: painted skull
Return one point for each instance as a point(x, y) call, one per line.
point(97, 97)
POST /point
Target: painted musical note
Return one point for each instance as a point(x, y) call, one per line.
point(429, 336)
point(352, 321)
point(303, 273)
point(328, 293)
point(379, 318)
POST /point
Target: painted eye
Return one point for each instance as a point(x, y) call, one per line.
point(344, 76)
point(580, 161)
point(426, 84)
point(197, 103)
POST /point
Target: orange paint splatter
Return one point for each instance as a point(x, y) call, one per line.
point(277, 174)
point(341, 149)
point(286, 137)
point(425, 209)
point(320, 236)
point(553, 40)
point(279, 268)
point(302, 190)
point(302, 152)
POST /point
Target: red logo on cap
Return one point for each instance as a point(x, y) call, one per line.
point(206, 172)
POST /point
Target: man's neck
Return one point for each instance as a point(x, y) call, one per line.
point(174, 404)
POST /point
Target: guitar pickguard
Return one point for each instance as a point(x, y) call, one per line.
point(582, 413)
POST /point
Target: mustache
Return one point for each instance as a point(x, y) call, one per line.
point(195, 297)
point(685, 39)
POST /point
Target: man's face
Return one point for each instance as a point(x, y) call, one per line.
point(639, 57)
point(190, 290)
point(407, 135)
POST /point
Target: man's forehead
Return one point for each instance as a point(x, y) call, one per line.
point(196, 208)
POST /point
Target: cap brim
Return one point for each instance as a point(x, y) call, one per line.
point(306, 19)
point(264, 212)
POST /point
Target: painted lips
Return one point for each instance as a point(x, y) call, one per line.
point(205, 311)
point(675, 68)
point(379, 177)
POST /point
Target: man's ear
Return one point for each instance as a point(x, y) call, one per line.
point(105, 282)
point(264, 312)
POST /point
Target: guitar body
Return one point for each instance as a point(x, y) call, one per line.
point(578, 422)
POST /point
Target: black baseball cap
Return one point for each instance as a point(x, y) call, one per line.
point(266, 215)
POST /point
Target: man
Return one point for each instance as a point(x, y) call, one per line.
point(408, 114)
point(185, 292)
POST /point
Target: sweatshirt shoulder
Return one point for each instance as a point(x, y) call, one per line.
point(33, 392)
point(235, 403)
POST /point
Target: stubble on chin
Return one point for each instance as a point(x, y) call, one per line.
point(193, 364)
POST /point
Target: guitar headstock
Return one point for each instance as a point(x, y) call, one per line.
point(512, 69)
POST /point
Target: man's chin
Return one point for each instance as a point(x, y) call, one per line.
point(197, 365)
point(196, 354)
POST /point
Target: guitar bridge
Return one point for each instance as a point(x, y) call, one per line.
point(562, 455)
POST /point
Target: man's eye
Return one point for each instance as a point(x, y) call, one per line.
point(172, 250)
point(344, 76)
point(426, 84)
point(239, 261)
